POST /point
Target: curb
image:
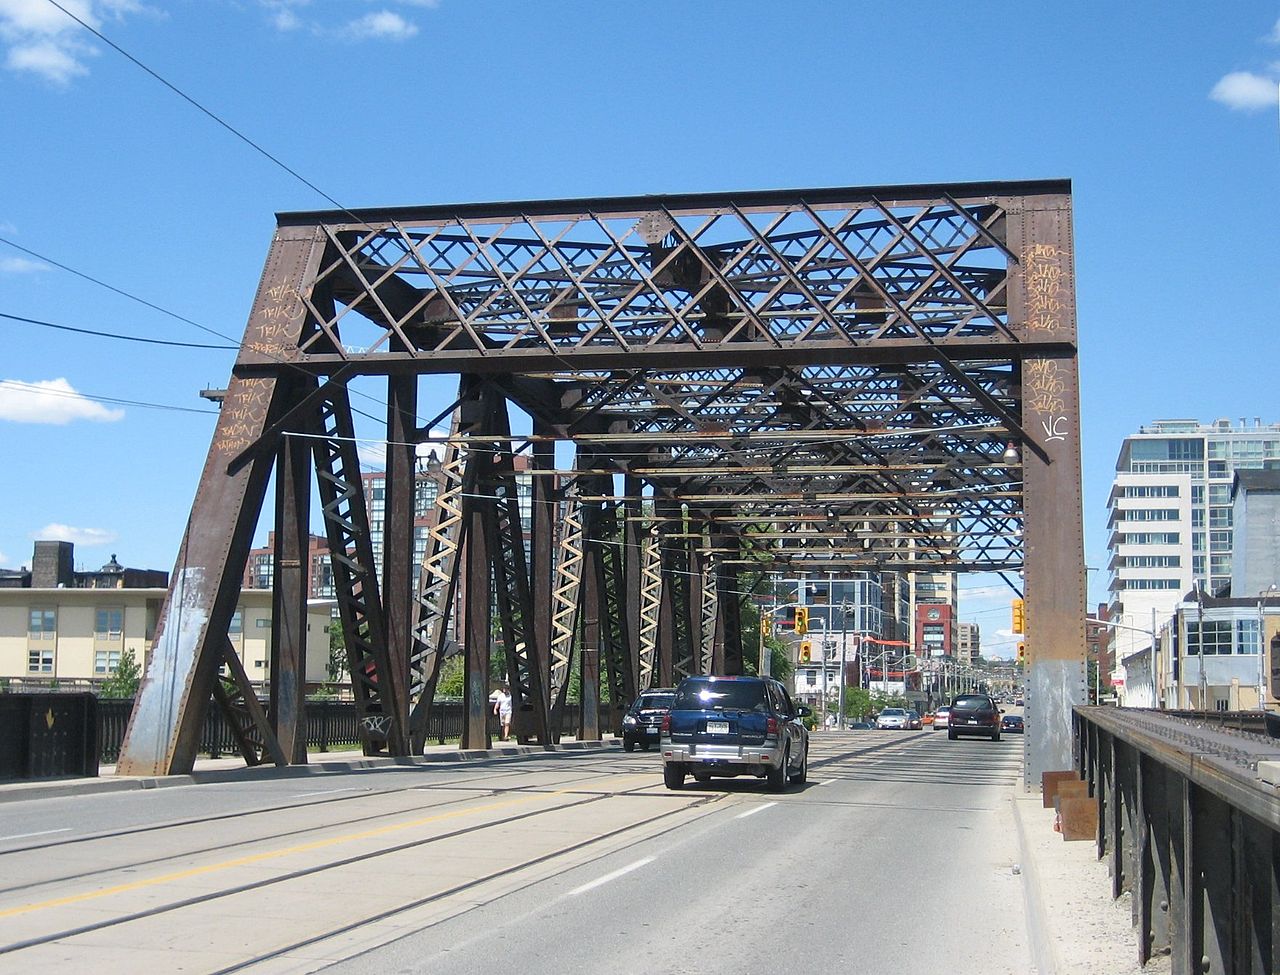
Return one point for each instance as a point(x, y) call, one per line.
point(1044, 950)
point(56, 788)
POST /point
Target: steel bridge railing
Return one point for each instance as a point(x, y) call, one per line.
point(329, 724)
point(1189, 819)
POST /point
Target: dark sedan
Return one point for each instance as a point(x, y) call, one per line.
point(1012, 723)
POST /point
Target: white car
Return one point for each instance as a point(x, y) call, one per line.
point(896, 718)
point(941, 718)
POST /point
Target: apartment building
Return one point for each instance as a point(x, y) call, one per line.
point(1171, 520)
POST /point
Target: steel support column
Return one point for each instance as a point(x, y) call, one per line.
point(289, 599)
point(1042, 299)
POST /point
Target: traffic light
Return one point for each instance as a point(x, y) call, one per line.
point(1022, 651)
point(802, 620)
point(1019, 616)
point(806, 651)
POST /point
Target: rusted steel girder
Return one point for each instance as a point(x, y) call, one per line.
point(819, 380)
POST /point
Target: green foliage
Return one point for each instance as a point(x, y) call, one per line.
point(125, 679)
point(880, 700)
point(857, 702)
point(337, 669)
point(450, 683)
point(325, 692)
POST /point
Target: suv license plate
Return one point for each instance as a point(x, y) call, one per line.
point(717, 727)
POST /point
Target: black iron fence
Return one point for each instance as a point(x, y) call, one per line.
point(1189, 817)
point(330, 725)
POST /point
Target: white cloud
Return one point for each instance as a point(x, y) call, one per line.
point(52, 401)
point(1274, 36)
point(1245, 91)
point(45, 42)
point(382, 24)
point(21, 265)
point(55, 532)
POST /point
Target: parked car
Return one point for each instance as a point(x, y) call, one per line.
point(914, 722)
point(892, 718)
point(973, 714)
point(927, 718)
point(1012, 723)
point(859, 726)
point(941, 717)
point(642, 724)
point(729, 726)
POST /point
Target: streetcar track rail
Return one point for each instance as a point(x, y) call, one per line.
point(237, 889)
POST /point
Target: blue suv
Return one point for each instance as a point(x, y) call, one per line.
point(728, 726)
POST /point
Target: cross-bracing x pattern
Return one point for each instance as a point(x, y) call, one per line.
point(849, 275)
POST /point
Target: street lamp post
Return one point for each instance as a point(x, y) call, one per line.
point(844, 644)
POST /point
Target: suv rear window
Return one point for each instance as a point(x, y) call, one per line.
point(654, 701)
point(728, 694)
point(973, 703)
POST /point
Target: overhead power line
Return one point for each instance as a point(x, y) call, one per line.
point(116, 335)
point(75, 394)
point(195, 104)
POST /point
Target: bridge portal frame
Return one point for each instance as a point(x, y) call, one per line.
point(818, 379)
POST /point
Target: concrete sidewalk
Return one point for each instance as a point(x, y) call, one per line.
point(233, 769)
point(1073, 924)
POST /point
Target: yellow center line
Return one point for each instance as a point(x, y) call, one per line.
point(289, 850)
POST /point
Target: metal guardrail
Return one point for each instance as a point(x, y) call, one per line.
point(1189, 818)
point(330, 724)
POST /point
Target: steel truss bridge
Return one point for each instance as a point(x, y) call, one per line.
point(823, 380)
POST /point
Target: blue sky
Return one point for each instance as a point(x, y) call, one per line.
point(1163, 115)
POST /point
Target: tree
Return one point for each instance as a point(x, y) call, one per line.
point(337, 669)
point(124, 680)
point(857, 702)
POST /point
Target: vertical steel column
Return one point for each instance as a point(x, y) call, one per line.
point(728, 641)
point(400, 502)
point(1042, 307)
point(1156, 876)
point(1212, 891)
point(589, 671)
point(289, 598)
point(477, 613)
point(542, 545)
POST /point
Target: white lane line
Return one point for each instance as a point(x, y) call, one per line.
point(325, 792)
point(752, 812)
point(608, 877)
point(43, 832)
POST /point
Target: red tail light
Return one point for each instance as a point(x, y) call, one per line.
point(771, 726)
point(666, 723)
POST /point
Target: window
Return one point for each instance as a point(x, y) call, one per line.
point(1147, 584)
point(106, 661)
point(40, 661)
point(263, 622)
point(1147, 514)
point(1151, 561)
point(1247, 640)
point(1212, 637)
point(237, 623)
point(1219, 517)
point(1151, 491)
point(42, 624)
point(108, 623)
point(1151, 538)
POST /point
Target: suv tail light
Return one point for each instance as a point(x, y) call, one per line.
point(771, 726)
point(666, 723)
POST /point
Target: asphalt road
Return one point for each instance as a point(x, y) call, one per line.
point(898, 854)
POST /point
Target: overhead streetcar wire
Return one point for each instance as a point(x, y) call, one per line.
point(117, 335)
point(116, 401)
